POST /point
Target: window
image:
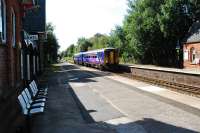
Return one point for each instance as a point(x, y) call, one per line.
point(13, 28)
point(3, 20)
point(192, 54)
point(34, 67)
point(28, 67)
point(22, 64)
point(38, 67)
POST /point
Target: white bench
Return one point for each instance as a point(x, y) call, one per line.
point(26, 109)
point(35, 99)
point(36, 93)
point(30, 103)
point(45, 90)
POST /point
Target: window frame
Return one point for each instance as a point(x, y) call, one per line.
point(28, 67)
point(34, 65)
point(22, 64)
point(3, 20)
point(13, 19)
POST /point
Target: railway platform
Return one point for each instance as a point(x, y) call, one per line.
point(185, 101)
point(195, 71)
point(159, 91)
point(85, 100)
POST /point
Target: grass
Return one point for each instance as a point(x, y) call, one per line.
point(69, 59)
point(127, 61)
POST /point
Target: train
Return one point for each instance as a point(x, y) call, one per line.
point(101, 58)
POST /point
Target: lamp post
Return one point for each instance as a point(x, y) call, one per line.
point(184, 11)
point(178, 48)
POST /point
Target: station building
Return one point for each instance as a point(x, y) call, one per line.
point(34, 25)
point(191, 47)
point(19, 63)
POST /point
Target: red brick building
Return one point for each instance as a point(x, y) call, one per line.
point(10, 81)
point(191, 47)
point(11, 66)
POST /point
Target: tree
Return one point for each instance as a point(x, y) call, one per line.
point(195, 9)
point(153, 28)
point(83, 44)
point(142, 29)
point(99, 41)
point(51, 45)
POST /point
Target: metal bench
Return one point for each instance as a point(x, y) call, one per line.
point(36, 93)
point(30, 103)
point(26, 109)
point(35, 99)
point(39, 89)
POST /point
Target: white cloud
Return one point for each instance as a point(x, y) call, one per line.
point(78, 18)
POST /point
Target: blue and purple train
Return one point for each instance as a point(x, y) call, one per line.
point(101, 58)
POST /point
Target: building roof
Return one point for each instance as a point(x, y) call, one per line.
point(194, 33)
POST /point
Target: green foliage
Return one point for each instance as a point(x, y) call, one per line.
point(51, 46)
point(83, 44)
point(99, 41)
point(153, 28)
point(195, 9)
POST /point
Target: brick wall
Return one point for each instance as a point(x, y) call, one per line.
point(3, 70)
point(187, 51)
point(10, 83)
point(170, 76)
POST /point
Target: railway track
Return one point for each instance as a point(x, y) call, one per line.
point(181, 88)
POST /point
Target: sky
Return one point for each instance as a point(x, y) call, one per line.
point(83, 18)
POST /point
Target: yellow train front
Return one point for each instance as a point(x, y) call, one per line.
point(111, 56)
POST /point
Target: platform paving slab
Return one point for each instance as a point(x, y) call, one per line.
point(62, 115)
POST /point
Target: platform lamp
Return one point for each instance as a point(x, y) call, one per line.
point(178, 51)
point(184, 9)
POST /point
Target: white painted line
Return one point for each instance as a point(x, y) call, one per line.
point(152, 88)
point(125, 125)
point(73, 79)
point(121, 120)
point(110, 102)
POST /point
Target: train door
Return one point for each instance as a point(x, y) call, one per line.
point(111, 57)
point(116, 56)
point(106, 57)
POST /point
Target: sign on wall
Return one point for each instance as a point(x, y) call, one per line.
point(33, 37)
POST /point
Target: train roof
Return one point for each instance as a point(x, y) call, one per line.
point(98, 50)
point(94, 51)
point(78, 53)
